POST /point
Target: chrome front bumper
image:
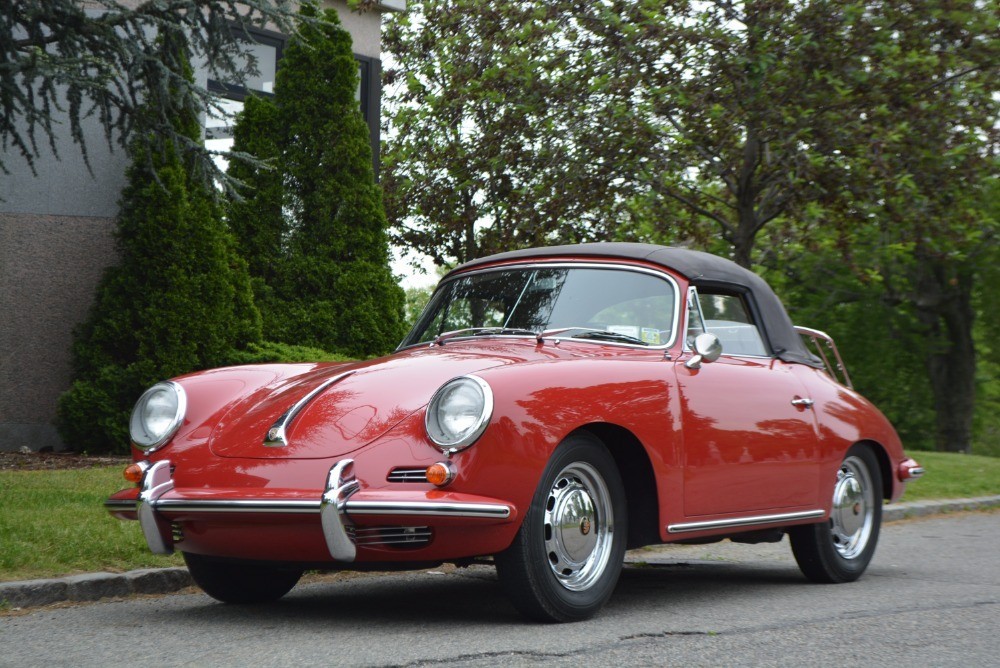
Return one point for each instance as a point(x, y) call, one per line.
point(334, 506)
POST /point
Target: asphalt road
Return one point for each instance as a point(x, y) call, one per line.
point(930, 598)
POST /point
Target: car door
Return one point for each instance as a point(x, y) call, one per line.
point(749, 432)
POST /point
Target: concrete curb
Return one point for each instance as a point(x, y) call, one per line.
point(95, 586)
point(902, 511)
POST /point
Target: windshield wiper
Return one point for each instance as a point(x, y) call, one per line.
point(483, 331)
point(591, 333)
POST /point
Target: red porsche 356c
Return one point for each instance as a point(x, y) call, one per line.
point(550, 409)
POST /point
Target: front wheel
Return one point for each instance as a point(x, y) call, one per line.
point(236, 582)
point(840, 549)
point(567, 556)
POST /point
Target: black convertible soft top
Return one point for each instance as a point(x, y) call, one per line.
point(701, 269)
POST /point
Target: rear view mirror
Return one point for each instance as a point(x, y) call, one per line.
point(707, 348)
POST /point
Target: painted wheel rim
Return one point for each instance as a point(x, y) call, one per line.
point(579, 523)
point(853, 513)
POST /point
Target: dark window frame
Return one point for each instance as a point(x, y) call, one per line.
point(369, 71)
point(249, 34)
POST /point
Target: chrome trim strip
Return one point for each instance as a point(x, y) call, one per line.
point(483, 510)
point(287, 506)
point(744, 521)
point(119, 505)
point(309, 507)
point(276, 436)
point(155, 483)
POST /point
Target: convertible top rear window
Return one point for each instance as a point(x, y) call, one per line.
point(520, 300)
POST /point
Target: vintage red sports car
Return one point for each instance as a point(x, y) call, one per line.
point(551, 408)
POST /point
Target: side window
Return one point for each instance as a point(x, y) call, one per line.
point(728, 317)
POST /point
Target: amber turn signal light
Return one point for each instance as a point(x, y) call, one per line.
point(134, 472)
point(440, 474)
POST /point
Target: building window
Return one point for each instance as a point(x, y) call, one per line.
point(267, 48)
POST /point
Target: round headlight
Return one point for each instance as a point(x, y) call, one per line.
point(458, 413)
point(157, 415)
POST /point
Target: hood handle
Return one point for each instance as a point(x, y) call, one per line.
point(276, 436)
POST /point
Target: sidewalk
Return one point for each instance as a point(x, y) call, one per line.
point(94, 586)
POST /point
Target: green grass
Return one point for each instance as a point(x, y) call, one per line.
point(53, 523)
point(951, 476)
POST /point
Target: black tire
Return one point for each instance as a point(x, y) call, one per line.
point(236, 582)
point(840, 549)
point(565, 561)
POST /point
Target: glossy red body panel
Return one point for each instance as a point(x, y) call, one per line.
point(723, 441)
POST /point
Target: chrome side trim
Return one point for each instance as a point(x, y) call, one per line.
point(340, 484)
point(276, 437)
point(744, 521)
point(483, 510)
point(155, 483)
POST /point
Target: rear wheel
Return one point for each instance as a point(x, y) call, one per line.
point(840, 549)
point(567, 556)
point(236, 582)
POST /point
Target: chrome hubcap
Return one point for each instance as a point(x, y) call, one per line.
point(852, 516)
point(578, 526)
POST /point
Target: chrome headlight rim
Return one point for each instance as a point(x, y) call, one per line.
point(468, 436)
point(154, 441)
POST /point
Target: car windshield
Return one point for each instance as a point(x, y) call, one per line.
point(598, 304)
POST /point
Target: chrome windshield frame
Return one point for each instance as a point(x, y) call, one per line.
point(562, 264)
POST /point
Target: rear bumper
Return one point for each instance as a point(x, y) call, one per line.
point(909, 470)
point(343, 508)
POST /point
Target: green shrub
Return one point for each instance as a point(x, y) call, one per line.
point(318, 249)
point(179, 299)
point(269, 351)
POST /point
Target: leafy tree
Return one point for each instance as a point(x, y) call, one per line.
point(65, 61)
point(871, 124)
point(919, 185)
point(257, 221)
point(862, 132)
point(315, 230)
point(482, 153)
point(179, 299)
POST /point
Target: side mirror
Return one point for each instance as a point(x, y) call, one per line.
point(707, 347)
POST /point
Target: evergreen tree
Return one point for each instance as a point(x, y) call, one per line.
point(179, 299)
point(257, 222)
point(332, 287)
point(67, 63)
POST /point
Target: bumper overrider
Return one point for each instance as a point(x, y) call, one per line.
point(339, 506)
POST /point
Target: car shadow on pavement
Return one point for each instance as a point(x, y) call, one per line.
point(474, 596)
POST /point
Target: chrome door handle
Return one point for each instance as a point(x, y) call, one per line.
point(799, 402)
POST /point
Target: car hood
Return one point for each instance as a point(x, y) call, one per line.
point(364, 401)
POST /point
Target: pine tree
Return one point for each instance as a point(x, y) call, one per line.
point(333, 288)
point(179, 299)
